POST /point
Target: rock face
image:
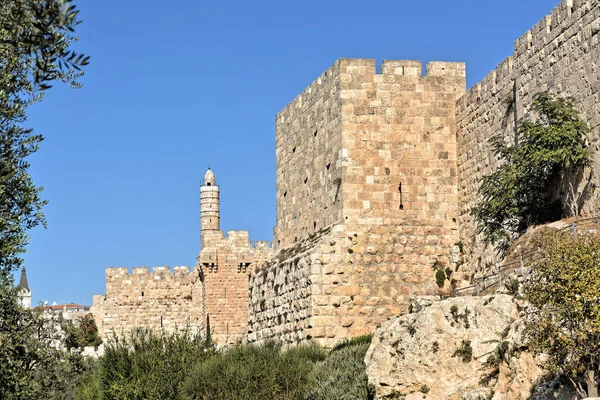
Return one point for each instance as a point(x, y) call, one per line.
point(440, 352)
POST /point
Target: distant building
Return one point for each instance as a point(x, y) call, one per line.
point(70, 307)
point(24, 291)
point(68, 312)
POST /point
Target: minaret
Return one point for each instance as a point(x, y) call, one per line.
point(209, 206)
point(24, 291)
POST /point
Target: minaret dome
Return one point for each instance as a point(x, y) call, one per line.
point(209, 178)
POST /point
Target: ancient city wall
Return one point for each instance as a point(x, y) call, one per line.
point(280, 305)
point(308, 170)
point(158, 299)
point(351, 247)
point(560, 54)
point(225, 264)
point(397, 126)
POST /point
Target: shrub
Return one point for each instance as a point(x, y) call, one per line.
point(512, 286)
point(149, 364)
point(83, 334)
point(359, 340)
point(342, 376)
point(253, 372)
point(90, 386)
point(464, 352)
point(454, 312)
point(564, 318)
point(440, 278)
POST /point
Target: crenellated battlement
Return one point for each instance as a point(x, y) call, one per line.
point(566, 22)
point(261, 245)
point(159, 272)
point(377, 168)
point(566, 16)
point(368, 66)
point(412, 68)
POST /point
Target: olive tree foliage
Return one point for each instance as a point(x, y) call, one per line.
point(564, 317)
point(552, 145)
point(36, 38)
point(33, 363)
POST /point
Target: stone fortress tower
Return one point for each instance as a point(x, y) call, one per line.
point(366, 199)
point(209, 206)
point(225, 265)
point(377, 168)
point(215, 290)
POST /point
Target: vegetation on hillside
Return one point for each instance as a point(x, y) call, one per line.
point(564, 321)
point(152, 365)
point(522, 191)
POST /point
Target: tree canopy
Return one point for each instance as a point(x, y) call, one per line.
point(564, 320)
point(36, 39)
point(551, 142)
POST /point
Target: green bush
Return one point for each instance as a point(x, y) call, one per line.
point(342, 375)
point(149, 365)
point(359, 340)
point(90, 387)
point(440, 278)
point(253, 372)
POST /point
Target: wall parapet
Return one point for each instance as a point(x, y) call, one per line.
point(158, 271)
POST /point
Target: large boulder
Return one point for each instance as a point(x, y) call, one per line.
point(466, 348)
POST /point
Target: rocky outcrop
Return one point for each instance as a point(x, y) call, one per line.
point(463, 348)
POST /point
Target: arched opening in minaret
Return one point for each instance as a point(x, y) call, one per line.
point(208, 184)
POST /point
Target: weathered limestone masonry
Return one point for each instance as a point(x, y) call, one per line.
point(376, 173)
point(161, 299)
point(309, 167)
point(217, 288)
point(225, 263)
point(561, 54)
point(344, 146)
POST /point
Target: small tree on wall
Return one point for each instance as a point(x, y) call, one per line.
point(520, 192)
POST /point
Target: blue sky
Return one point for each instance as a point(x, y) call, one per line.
point(175, 86)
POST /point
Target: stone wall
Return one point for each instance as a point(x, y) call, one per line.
point(226, 263)
point(308, 166)
point(394, 127)
point(161, 299)
point(280, 304)
point(399, 127)
point(560, 54)
point(352, 248)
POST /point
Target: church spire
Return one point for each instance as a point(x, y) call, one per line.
point(23, 284)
